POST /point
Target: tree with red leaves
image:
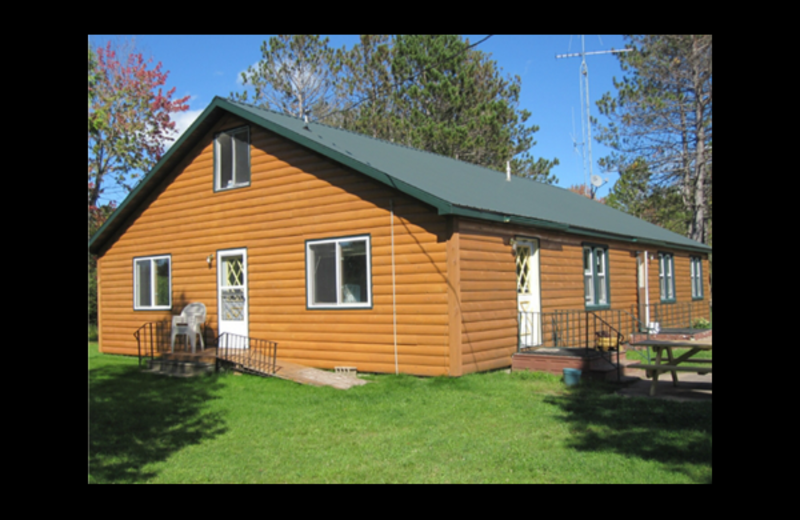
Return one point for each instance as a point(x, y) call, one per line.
point(129, 126)
point(129, 119)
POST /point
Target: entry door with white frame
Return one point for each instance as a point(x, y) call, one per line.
point(529, 302)
point(232, 294)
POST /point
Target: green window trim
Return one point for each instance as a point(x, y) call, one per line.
point(666, 277)
point(596, 287)
point(697, 277)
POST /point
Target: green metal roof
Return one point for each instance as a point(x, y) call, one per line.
point(452, 187)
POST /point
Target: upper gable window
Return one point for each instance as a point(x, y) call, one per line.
point(232, 159)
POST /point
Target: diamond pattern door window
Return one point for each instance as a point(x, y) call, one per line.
point(233, 298)
point(523, 263)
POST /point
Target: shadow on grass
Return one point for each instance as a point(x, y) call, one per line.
point(677, 434)
point(137, 418)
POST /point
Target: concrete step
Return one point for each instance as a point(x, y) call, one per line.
point(178, 368)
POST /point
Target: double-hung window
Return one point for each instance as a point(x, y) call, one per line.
point(595, 276)
point(339, 273)
point(666, 277)
point(152, 283)
point(232, 159)
point(697, 277)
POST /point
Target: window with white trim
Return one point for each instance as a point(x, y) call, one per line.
point(338, 273)
point(697, 277)
point(595, 275)
point(666, 277)
point(152, 283)
point(232, 159)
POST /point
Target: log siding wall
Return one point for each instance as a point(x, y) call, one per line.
point(295, 195)
point(672, 314)
point(449, 271)
point(488, 285)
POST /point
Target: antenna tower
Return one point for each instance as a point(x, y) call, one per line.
point(586, 124)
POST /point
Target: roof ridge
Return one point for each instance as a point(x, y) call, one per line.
point(525, 204)
point(542, 185)
point(392, 143)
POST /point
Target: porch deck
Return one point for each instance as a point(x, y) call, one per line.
point(592, 363)
point(283, 369)
point(673, 334)
point(595, 364)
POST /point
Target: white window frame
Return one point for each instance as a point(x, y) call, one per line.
point(150, 306)
point(339, 304)
point(234, 182)
point(697, 277)
point(594, 297)
point(666, 277)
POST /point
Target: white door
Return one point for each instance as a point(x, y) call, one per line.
point(529, 303)
point(232, 295)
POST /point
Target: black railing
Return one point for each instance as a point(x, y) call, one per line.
point(153, 339)
point(595, 330)
point(257, 356)
point(568, 328)
point(675, 315)
point(607, 339)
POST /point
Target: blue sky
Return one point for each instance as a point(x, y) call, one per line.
point(204, 66)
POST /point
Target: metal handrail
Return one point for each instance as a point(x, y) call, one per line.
point(253, 355)
point(620, 338)
point(568, 327)
point(144, 334)
point(677, 314)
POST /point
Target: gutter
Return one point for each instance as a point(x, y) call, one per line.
point(566, 228)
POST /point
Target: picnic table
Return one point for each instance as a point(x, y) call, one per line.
point(674, 364)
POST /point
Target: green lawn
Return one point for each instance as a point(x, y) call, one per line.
point(641, 355)
point(482, 428)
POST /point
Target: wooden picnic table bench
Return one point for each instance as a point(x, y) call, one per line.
point(675, 364)
point(670, 368)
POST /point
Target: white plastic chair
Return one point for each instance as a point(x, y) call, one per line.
point(189, 324)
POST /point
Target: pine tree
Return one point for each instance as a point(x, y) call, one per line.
point(662, 114)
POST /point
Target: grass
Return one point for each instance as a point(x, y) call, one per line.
point(482, 428)
point(641, 355)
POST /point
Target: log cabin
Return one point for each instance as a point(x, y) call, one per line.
point(349, 250)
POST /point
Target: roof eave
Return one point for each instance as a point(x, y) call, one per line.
point(566, 228)
point(443, 207)
point(173, 155)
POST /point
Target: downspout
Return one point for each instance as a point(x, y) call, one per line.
point(647, 299)
point(394, 302)
point(646, 291)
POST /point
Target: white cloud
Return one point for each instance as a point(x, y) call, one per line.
point(183, 120)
